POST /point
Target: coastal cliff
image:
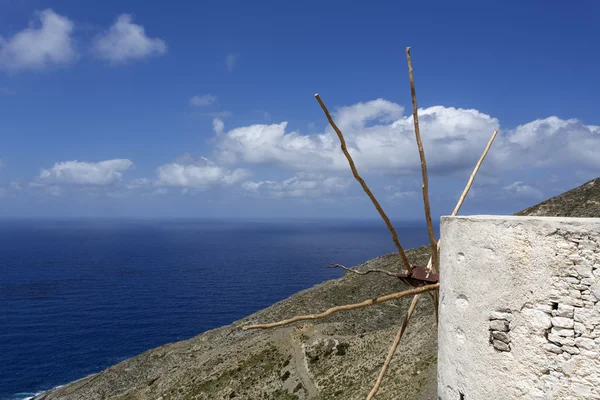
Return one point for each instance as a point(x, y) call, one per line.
point(338, 357)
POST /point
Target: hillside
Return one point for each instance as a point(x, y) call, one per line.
point(334, 358)
point(582, 202)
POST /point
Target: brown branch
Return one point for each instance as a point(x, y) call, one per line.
point(469, 183)
point(346, 307)
point(472, 177)
point(392, 350)
point(394, 274)
point(364, 185)
point(423, 164)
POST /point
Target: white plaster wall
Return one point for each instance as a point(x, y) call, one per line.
point(519, 309)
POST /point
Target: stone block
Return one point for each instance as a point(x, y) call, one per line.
point(586, 343)
point(563, 332)
point(501, 315)
point(499, 325)
point(552, 348)
point(562, 322)
point(501, 346)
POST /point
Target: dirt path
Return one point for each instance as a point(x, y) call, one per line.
point(301, 364)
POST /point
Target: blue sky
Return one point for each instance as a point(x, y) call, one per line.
point(206, 109)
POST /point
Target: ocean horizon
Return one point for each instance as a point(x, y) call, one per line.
point(80, 295)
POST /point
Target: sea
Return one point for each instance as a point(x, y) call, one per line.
point(77, 296)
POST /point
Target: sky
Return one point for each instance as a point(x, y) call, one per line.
point(147, 109)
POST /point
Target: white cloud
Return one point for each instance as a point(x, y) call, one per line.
point(139, 183)
point(218, 126)
point(519, 189)
point(38, 47)
point(203, 101)
point(554, 141)
point(197, 173)
point(359, 114)
point(230, 61)
point(86, 173)
point(301, 186)
point(125, 41)
point(379, 137)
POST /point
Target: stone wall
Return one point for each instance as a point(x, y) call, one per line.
point(519, 308)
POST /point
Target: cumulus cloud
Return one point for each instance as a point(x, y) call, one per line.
point(86, 173)
point(519, 189)
point(201, 173)
point(554, 141)
point(125, 41)
point(377, 135)
point(380, 137)
point(203, 101)
point(301, 186)
point(218, 126)
point(43, 44)
point(230, 61)
point(358, 115)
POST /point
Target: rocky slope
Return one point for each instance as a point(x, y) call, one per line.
point(582, 202)
point(334, 358)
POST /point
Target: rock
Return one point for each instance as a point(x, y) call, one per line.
point(537, 320)
point(563, 332)
point(570, 349)
point(320, 349)
point(562, 322)
point(581, 288)
point(584, 270)
point(565, 310)
point(588, 281)
point(579, 328)
point(501, 315)
point(502, 336)
point(587, 317)
point(547, 308)
point(585, 343)
point(499, 325)
point(552, 348)
point(566, 341)
point(575, 302)
point(501, 346)
point(575, 294)
point(595, 289)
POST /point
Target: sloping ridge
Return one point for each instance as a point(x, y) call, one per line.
point(582, 202)
point(334, 358)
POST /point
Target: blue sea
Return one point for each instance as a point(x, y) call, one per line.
point(77, 296)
